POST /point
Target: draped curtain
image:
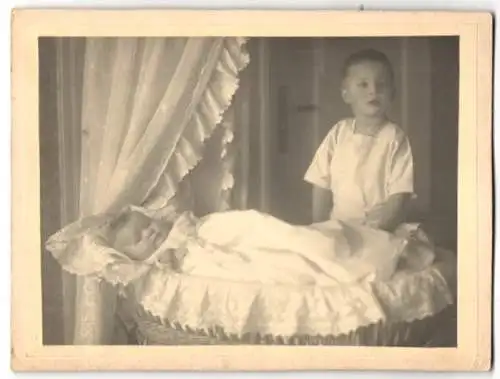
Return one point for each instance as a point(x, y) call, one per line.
point(69, 75)
point(147, 108)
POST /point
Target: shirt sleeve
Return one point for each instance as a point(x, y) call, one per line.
point(318, 172)
point(401, 175)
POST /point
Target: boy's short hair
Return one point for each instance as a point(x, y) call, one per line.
point(368, 55)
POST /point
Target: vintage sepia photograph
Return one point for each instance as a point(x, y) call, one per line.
point(261, 190)
point(241, 191)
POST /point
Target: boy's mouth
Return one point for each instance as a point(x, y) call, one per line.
point(375, 103)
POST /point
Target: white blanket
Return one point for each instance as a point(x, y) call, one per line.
point(256, 247)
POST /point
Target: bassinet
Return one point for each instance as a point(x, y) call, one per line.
point(432, 330)
point(163, 306)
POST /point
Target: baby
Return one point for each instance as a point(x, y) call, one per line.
point(248, 243)
point(139, 236)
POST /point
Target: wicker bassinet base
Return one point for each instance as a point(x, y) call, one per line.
point(439, 330)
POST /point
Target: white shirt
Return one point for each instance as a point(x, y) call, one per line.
point(362, 170)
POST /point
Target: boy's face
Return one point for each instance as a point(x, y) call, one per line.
point(140, 236)
point(368, 89)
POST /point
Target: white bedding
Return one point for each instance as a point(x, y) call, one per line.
point(256, 247)
point(264, 276)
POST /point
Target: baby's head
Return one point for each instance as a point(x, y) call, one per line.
point(368, 83)
point(137, 235)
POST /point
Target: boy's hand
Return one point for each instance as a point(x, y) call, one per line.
point(388, 215)
point(379, 216)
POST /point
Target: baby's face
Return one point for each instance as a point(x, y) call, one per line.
point(140, 236)
point(368, 89)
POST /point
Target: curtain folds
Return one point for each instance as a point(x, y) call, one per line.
point(69, 77)
point(148, 105)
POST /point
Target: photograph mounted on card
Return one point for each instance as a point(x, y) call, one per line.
point(242, 190)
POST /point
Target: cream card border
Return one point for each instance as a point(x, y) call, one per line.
point(475, 189)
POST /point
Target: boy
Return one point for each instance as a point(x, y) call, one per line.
point(363, 169)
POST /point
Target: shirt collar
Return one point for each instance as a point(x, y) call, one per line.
point(372, 135)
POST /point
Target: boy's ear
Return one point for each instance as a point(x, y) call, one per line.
point(345, 95)
point(343, 91)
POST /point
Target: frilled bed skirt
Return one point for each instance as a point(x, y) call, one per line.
point(434, 331)
point(430, 321)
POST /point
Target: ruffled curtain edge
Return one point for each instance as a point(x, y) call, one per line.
point(216, 100)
